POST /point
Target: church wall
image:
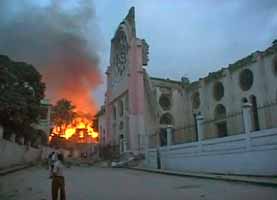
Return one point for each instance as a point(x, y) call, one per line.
point(151, 123)
point(183, 130)
point(270, 78)
point(104, 140)
point(263, 87)
point(177, 109)
point(119, 119)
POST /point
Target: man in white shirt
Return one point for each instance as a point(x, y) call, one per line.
point(58, 179)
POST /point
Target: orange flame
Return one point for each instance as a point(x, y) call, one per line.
point(80, 130)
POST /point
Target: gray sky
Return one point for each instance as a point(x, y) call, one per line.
point(186, 37)
point(191, 37)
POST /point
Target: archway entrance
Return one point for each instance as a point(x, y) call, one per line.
point(220, 121)
point(255, 115)
point(165, 121)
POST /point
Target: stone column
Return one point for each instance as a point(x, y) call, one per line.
point(147, 141)
point(121, 146)
point(146, 147)
point(169, 135)
point(247, 120)
point(1, 132)
point(200, 128)
point(124, 144)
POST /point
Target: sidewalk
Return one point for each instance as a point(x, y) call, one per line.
point(14, 169)
point(266, 181)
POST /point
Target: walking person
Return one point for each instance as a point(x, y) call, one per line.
point(58, 179)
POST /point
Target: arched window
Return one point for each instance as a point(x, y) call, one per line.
point(246, 79)
point(244, 100)
point(114, 113)
point(120, 108)
point(166, 119)
point(165, 102)
point(220, 120)
point(121, 125)
point(254, 112)
point(220, 112)
point(218, 91)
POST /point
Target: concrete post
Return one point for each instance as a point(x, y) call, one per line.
point(121, 147)
point(124, 144)
point(146, 141)
point(169, 135)
point(1, 132)
point(200, 119)
point(246, 113)
point(146, 148)
point(247, 121)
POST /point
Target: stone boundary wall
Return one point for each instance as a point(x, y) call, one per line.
point(246, 154)
point(15, 154)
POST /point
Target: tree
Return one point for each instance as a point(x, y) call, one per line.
point(62, 115)
point(21, 90)
point(63, 112)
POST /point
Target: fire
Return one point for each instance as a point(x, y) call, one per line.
point(79, 130)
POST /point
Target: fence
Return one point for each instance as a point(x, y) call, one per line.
point(264, 117)
point(225, 148)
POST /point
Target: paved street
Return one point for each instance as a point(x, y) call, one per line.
point(87, 183)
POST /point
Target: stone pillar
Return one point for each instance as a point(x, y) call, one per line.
point(200, 128)
point(247, 120)
point(146, 147)
point(124, 144)
point(146, 141)
point(1, 132)
point(121, 147)
point(169, 135)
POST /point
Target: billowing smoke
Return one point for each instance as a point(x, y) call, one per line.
point(60, 38)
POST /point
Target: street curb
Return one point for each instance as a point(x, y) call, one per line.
point(15, 169)
point(271, 183)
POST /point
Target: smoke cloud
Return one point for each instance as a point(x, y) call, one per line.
point(60, 38)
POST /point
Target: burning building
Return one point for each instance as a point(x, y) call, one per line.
point(78, 137)
point(78, 131)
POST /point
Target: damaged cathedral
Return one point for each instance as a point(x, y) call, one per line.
point(143, 112)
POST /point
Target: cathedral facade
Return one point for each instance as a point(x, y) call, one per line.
point(140, 110)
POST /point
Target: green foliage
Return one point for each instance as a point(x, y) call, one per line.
point(21, 90)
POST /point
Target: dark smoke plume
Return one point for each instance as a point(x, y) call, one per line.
point(60, 38)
